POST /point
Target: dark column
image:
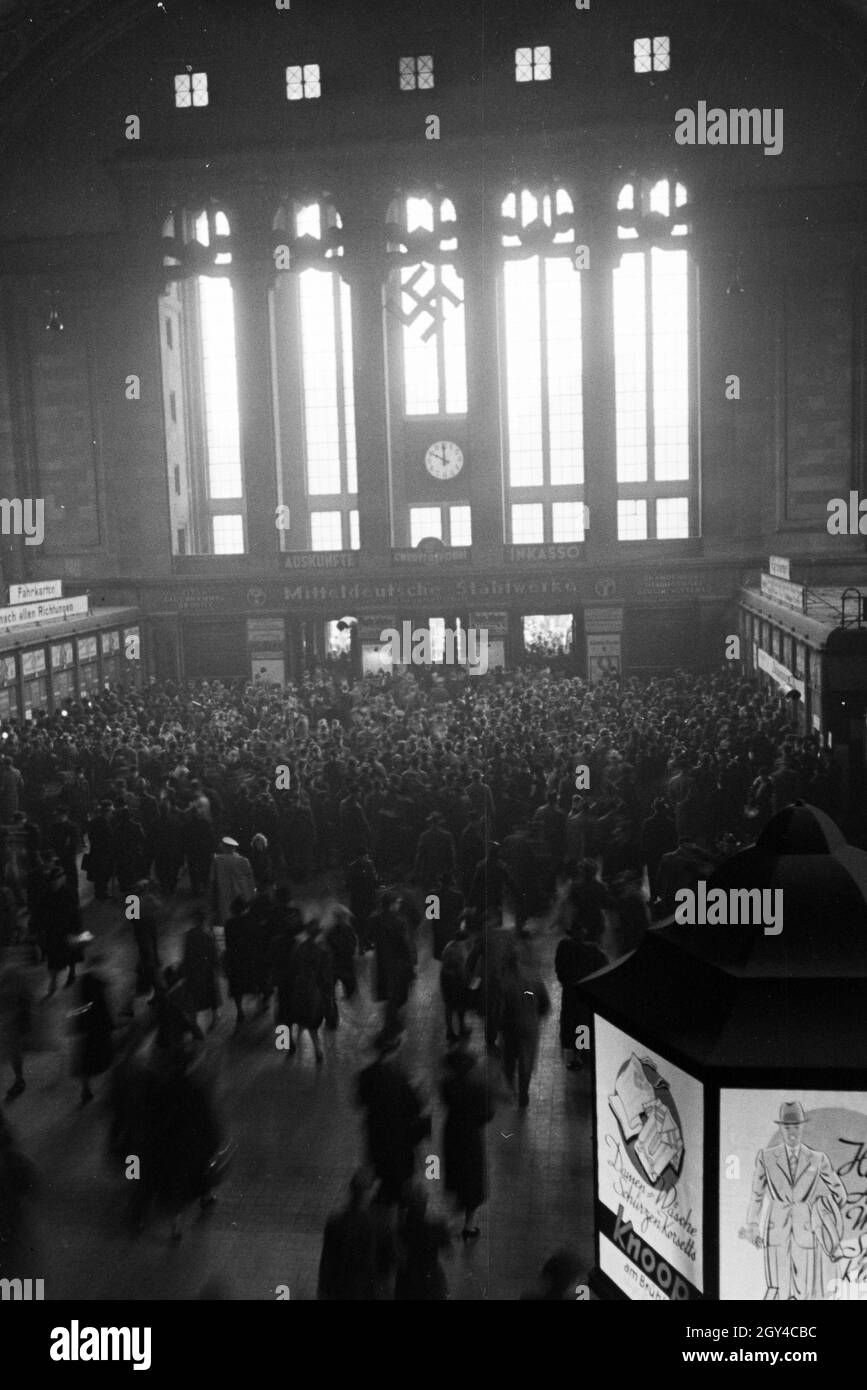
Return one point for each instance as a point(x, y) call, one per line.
point(363, 214)
point(252, 274)
point(597, 317)
point(479, 264)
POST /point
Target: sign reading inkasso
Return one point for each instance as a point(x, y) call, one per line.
point(24, 613)
point(541, 554)
point(649, 1170)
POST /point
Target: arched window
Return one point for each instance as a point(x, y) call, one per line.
point(426, 296)
point(200, 384)
point(541, 328)
point(313, 323)
point(656, 494)
point(426, 342)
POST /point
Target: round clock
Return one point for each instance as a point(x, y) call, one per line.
point(444, 459)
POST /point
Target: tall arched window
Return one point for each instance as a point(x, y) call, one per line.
point(541, 329)
point(200, 384)
point(313, 325)
point(426, 295)
point(427, 370)
point(656, 494)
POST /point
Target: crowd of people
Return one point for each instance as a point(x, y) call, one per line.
point(487, 810)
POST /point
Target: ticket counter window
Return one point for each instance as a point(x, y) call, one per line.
point(88, 666)
point(110, 643)
point(8, 688)
point(62, 674)
point(548, 634)
point(34, 682)
point(132, 662)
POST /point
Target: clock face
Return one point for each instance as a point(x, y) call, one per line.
point(444, 460)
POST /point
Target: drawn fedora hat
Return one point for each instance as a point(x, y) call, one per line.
point(791, 1113)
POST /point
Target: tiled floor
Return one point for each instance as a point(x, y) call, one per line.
point(299, 1140)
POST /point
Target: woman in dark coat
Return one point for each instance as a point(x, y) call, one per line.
point(310, 986)
point(55, 922)
point(94, 1050)
point(164, 847)
point(100, 854)
point(240, 957)
point(468, 1111)
point(200, 968)
point(17, 1181)
point(186, 1138)
point(420, 1276)
point(577, 956)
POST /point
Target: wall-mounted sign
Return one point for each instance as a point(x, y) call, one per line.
point(321, 560)
point(780, 567)
point(793, 1201)
point(781, 591)
point(36, 592)
point(778, 672)
point(448, 555)
point(649, 1165)
point(541, 554)
point(603, 619)
point(52, 610)
point(269, 634)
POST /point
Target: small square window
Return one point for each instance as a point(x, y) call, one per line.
point(661, 53)
point(303, 82)
point(528, 523)
point(641, 53)
point(672, 518)
point(425, 523)
point(632, 520)
point(326, 531)
point(417, 74)
point(652, 55)
point(191, 89)
point(228, 533)
point(567, 521)
point(533, 64)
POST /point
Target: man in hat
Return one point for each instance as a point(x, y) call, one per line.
point(231, 877)
point(796, 1211)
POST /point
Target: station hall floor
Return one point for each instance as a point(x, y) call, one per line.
point(299, 1140)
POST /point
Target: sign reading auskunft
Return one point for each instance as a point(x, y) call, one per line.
point(52, 610)
point(321, 560)
point(38, 591)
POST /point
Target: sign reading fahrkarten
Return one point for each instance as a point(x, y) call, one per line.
point(37, 592)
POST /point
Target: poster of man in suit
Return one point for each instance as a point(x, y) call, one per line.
point(793, 1204)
